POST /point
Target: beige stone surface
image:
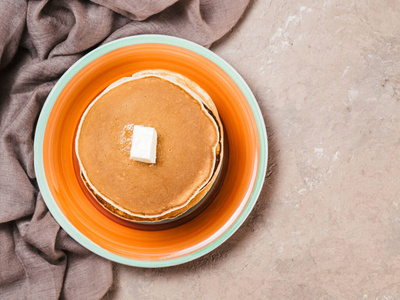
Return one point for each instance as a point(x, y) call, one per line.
point(326, 75)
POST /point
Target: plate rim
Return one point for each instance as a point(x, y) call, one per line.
point(71, 72)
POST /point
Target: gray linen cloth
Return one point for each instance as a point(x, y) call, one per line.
point(39, 41)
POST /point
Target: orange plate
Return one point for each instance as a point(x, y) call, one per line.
point(128, 242)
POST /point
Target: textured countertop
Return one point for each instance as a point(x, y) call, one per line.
point(326, 75)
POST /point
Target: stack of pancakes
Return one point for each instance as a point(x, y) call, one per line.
point(189, 148)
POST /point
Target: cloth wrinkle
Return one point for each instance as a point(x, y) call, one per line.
point(27, 278)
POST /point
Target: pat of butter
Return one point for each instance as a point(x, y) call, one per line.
point(144, 144)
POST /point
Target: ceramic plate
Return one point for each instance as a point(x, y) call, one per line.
point(58, 174)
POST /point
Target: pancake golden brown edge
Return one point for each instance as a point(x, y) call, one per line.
point(189, 148)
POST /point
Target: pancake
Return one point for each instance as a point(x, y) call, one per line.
point(189, 147)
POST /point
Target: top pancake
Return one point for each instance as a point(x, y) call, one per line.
point(187, 139)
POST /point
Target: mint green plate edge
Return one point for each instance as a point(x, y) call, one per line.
point(74, 69)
